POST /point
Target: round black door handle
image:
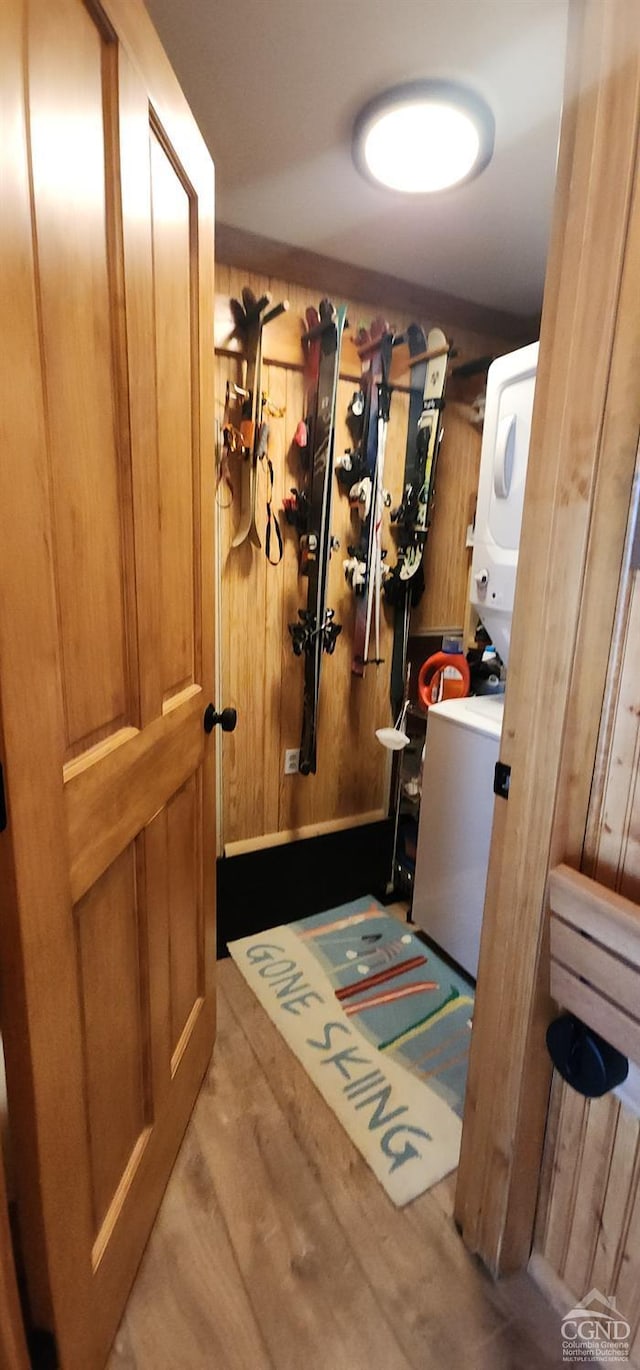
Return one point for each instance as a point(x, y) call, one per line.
point(227, 719)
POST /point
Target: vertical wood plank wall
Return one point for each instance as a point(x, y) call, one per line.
point(259, 674)
point(583, 450)
point(588, 1222)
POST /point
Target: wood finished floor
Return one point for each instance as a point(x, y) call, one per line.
point(276, 1249)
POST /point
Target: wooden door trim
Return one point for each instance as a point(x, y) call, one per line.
point(169, 109)
point(13, 1347)
point(579, 484)
point(31, 693)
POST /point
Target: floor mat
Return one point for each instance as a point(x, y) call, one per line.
point(381, 1024)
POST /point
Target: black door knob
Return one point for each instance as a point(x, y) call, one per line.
point(227, 719)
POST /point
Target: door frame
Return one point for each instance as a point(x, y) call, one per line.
point(579, 489)
point(13, 1346)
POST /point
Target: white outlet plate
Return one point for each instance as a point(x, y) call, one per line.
point(292, 761)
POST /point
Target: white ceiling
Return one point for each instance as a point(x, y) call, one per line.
point(275, 86)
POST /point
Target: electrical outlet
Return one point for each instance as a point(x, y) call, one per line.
point(292, 761)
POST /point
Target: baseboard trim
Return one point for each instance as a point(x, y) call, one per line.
point(549, 1283)
point(268, 886)
point(279, 839)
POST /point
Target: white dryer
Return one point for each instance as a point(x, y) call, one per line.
point(503, 470)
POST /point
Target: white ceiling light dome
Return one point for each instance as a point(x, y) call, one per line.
point(424, 137)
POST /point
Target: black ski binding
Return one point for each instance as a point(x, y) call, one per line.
point(330, 632)
point(304, 632)
point(296, 510)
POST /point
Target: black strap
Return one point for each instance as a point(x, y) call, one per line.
point(272, 519)
point(223, 476)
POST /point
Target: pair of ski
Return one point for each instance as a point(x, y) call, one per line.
point(404, 584)
point(361, 473)
point(309, 511)
point(250, 440)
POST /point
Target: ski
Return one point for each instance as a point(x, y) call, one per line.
point(404, 584)
point(309, 511)
point(417, 345)
point(251, 317)
point(361, 472)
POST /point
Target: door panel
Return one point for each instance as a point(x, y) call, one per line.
point(184, 911)
point(71, 205)
point(115, 1042)
point(152, 763)
point(106, 645)
point(173, 285)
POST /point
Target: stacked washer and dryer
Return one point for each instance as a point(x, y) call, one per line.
point(463, 735)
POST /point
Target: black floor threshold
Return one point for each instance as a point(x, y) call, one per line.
point(264, 889)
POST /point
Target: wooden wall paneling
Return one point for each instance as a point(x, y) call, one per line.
point(578, 490)
point(611, 1222)
point(595, 1160)
point(563, 1187)
point(628, 1279)
point(606, 567)
point(309, 269)
point(222, 498)
point(240, 648)
point(276, 384)
point(251, 590)
point(350, 778)
point(293, 599)
point(605, 1216)
point(446, 561)
point(610, 857)
point(613, 856)
point(260, 675)
point(223, 369)
point(281, 342)
point(547, 1172)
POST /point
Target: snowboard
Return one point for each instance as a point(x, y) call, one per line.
point(404, 584)
point(309, 511)
point(251, 316)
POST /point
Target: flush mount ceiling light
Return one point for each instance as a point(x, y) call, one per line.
point(424, 137)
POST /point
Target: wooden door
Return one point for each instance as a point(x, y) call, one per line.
point(106, 642)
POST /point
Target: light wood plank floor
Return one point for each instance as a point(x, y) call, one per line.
point(276, 1249)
